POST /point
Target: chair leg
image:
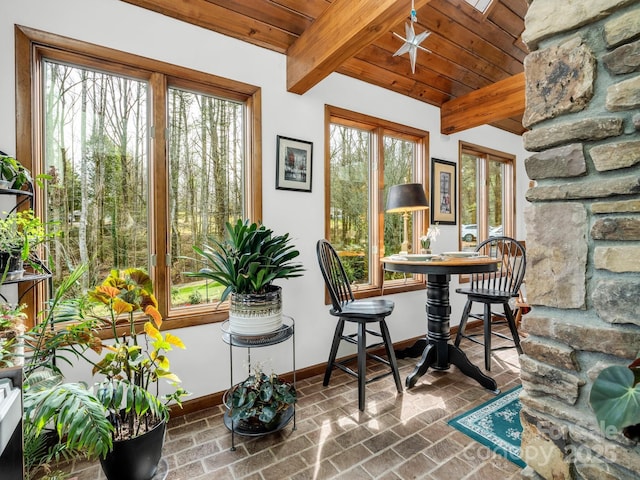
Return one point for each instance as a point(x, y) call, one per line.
point(337, 336)
point(518, 316)
point(390, 354)
point(463, 322)
point(487, 336)
point(512, 326)
point(362, 363)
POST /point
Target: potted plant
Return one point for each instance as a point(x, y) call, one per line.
point(52, 407)
point(127, 390)
point(261, 403)
point(131, 370)
point(615, 399)
point(246, 264)
point(20, 233)
point(12, 174)
point(425, 241)
point(12, 324)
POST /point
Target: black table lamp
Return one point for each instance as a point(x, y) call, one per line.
point(405, 198)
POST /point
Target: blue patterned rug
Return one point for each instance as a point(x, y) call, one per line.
point(495, 424)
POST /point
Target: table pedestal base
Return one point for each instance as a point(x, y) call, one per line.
point(438, 353)
point(414, 351)
point(435, 349)
point(455, 357)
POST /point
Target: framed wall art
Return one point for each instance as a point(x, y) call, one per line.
point(293, 164)
point(443, 192)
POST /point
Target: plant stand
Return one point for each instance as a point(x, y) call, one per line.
point(282, 334)
point(30, 277)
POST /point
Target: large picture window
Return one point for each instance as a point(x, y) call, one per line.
point(487, 194)
point(144, 161)
point(366, 156)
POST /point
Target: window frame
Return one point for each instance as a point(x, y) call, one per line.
point(30, 47)
point(509, 212)
point(420, 219)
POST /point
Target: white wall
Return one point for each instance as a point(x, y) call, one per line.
point(203, 367)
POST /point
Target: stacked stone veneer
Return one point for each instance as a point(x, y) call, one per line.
point(583, 230)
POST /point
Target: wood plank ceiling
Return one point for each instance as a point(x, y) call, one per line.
point(474, 72)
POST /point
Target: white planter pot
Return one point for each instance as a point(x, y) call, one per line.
point(256, 314)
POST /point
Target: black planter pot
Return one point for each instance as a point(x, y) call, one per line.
point(256, 428)
point(253, 426)
point(11, 263)
point(137, 458)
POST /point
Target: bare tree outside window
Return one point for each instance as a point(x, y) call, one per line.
point(97, 131)
point(145, 159)
point(97, 157)
point(206, 156)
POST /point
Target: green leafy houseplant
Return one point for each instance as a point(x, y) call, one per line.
point(615, 399)
point(12, 171)
point(12, 321)
point(249, 260)
point(136, 362)
point(20, 233)
point(260, 398)
point(125, 401)
point(78, 420)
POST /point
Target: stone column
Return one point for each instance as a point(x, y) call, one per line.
point(583, 230)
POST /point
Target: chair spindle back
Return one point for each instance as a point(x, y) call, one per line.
point(511, 268)
point(335, 277)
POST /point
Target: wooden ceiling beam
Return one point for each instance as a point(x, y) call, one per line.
point(340, 32)
point(222, 20)
point(503, 99)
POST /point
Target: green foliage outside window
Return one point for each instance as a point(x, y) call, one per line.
point(352, 161)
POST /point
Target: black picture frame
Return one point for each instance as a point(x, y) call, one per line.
point(294, 162)
point(444, 204)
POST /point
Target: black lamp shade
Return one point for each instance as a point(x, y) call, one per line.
point(406, 197)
